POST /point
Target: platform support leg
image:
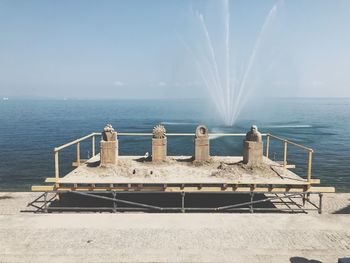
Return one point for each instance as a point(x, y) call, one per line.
point(114, 202)
point(251, 201)
point(320, 203)
point(304, 199)
point(308, 196)
point(45, 202)
point(183, 202)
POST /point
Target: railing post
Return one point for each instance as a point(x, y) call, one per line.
point(93, 145)
point(285, 153)
point(57, 169)
point(78, 154)
point(267, 145)
point(309, 167)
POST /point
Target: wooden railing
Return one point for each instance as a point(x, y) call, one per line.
point(77, 142)
point(268, 136)
point(285, 146)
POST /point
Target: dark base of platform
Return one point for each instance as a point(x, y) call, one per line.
point(158, 202)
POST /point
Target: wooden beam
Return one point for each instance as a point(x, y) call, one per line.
point(257, 183)
point(78, 153)
point(288, 165)
point(57, 169)
point(287, 189)
point(42, 188)
point(93, 143)
point(309, 166)
point(319, 189)
point(315, 181)
point(75, 164)
point(285, 153)
point(51, 180)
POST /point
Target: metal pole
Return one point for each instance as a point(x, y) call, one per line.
point(320, 204)
point(45, 202)
point(114, 202)
point(304, 199)
point(183, 202)
point(267, 145)
point(78, 154)
point(285, 154)
point(93, 145)
point(118, 200)
point(309, 167)
point(251, 202)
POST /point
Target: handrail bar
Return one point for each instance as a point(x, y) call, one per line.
point(177, 134)
point(56, 149)
point(292, 143)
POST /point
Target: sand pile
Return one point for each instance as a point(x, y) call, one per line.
point(182, 169)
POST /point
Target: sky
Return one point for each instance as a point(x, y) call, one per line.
point(143, 49)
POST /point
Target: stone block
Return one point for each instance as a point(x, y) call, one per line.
point(252, 153)
point(159, 149)
point(201, 144)
point(201, 149)
point(109, 152)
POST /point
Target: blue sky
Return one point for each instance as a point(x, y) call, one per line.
point(135, 49)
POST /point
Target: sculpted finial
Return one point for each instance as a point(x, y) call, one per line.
point(253, 135)
point(109, 134)
point(159, 132)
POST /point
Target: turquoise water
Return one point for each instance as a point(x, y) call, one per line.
point(29, 130)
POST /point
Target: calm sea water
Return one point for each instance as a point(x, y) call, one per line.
point(29, 130)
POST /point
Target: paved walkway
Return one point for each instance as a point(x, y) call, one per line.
point(27, 237)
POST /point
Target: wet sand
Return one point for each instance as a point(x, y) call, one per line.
point(140, 237)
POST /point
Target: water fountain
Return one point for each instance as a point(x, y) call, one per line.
point(227, 88)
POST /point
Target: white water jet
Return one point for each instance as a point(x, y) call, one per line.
point(228, 96)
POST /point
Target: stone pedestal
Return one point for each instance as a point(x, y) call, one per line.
point(201, 149)
point(201, 144)
point(252, 153)
point(159, 149)
point(109, 152)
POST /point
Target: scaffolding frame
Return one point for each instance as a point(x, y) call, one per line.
point(287, 199)
point(284, 193)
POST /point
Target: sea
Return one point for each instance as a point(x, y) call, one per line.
point(30, 129)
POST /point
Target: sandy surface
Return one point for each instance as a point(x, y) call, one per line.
point(138, 237)
point(181, 169)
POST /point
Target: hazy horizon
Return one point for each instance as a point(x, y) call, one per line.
point(168, 98)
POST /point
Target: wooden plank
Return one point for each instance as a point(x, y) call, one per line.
point(282, 182)
point(288, 166)
point(42, 188)
point(190, 189)
point(274, 182)
point(237, 189)
point(57, 169)
point(301, 183)
point(315, 181)
point(52, 180)
point(319, 189)
point(82, 161)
